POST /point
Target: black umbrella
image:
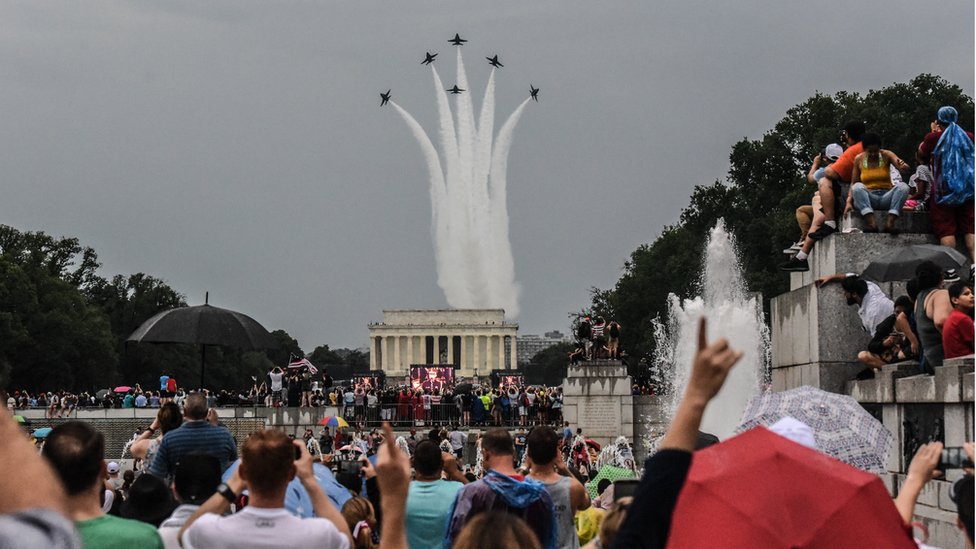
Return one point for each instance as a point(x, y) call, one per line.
point(900, 264)
point(204, 325)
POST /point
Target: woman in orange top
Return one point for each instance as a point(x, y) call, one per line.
point(873, 188)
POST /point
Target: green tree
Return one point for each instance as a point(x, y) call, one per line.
point(50, 336)
point(288, 349)
point(549, 365)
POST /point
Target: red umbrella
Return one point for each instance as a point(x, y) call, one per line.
point(123, 389)
point(759, 489)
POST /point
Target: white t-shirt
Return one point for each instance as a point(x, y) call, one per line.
point(253, 527)
point(275, 381)
point(875, 307)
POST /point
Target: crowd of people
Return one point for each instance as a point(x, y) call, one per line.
point(595, 339)
point(933, 321)
point(858, 176)
point(361, 402)
point(930, 324)
point(197, 491)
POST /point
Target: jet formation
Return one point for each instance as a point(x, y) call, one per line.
point(458, 41)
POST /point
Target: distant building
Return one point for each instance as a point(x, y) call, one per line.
point(476, 341)
point(530, 344)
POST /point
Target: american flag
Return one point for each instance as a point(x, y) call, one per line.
point(304, 362)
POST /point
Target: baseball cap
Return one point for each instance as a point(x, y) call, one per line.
point(833, 151)
point(113, 467)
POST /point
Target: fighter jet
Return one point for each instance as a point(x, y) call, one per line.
point(455, 90)
point(385, 97)
point(430, 59)
point(493, 61)
point(457, 40)
point(534, 93)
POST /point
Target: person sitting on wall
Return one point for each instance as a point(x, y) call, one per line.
point(894, 340)
point(873, 186)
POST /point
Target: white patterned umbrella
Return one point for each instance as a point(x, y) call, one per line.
point(841, 427)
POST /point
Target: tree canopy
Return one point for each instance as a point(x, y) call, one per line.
point(765, 183)
point(63, 326)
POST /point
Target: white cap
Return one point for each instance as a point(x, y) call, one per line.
point(833, 151)
point(113, 467)
point(795, 430)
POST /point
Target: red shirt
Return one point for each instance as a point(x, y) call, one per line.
point(957, 335)
point(844, 166)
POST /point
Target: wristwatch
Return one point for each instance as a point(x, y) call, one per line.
point(224, 490)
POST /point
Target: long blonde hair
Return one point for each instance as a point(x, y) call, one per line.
point(357, 510)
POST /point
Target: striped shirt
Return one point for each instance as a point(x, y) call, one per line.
point(598, 330)
point(193, 437)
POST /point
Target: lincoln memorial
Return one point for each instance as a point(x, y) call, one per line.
point(475, 341)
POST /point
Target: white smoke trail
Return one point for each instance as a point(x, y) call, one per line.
point(473, 202)
point(454, 288)
point(452, 210)
point(479, 182)
point(469, 198)
point(498, 197)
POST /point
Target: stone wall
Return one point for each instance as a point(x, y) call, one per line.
point(596, 398)
point(418, 317)
point(918, 408)
point(815, 340)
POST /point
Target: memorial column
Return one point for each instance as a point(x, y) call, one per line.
point(489, 355)
point(396, 354)
point(372, 352)
point(384, 359)
point(437, 349)
point(409, 351)
point(513, 362)
point(450, 348)
point(501, 352)
point(475, 358)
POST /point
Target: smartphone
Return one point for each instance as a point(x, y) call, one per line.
point(353, 467)
point(954, 457)
point(625, 487)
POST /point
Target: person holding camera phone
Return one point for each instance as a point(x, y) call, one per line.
point(931, 461)
point(268, 464)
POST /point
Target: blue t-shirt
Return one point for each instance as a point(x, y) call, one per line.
point(428, 510)
point(162, 382)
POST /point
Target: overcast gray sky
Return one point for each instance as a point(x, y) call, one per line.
point(238, 146)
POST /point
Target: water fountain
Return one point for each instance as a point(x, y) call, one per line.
point(732, 313)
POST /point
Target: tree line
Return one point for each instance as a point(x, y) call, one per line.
point(63, 326)
point(766, 181)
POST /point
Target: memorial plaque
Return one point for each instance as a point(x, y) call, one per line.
point(599, 415)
